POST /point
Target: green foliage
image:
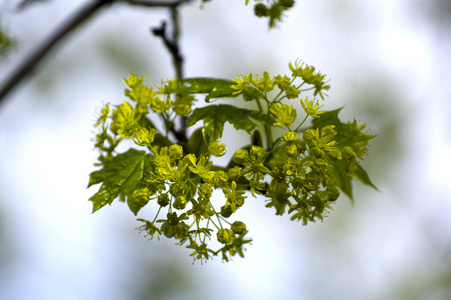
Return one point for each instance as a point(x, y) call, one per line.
point(300, 172)
point(6, 44)
point(214, 117)
point(273, 9)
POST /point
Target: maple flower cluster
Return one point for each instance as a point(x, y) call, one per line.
point(301, 172)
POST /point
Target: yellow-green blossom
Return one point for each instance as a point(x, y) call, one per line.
point(139, 93)
point(283, 82)
point(124, 121)
point(217, 148)
point(241, 83)
point(182, 105)
point(290, 136)
point(311, 107)
point(225, 236)
point(104, 113)
point(285, 113)
point(292, 92)
point(159, 105)
point(265, 84)
point(145, 137)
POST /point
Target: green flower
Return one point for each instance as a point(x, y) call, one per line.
point(175, 152)
point(282, 82)
point(292, 92)
point(159, 105)
point(307, 73)
point(182, 105)
point(200, 252)
point(235, 173)
point(104, 113)
point(217, 148)
point(241, 156)
point(201, 210)
point(290, 136)
point(265, 84)
point(144, 136)
point(241, 83)
point(225, 236)
point(235, 199)
point(202, 168)
point(150, 228)
point(285, 113)
point(174, 226)
point(238, 227)
point(139, 93)
point(141, 196)
point(205, 190)
point(311, 107)
point(125, 121)
point(163, 200)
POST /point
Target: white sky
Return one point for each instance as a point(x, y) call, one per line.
point(52, 243)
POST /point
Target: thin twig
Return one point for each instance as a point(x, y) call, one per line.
point(153, 3)
point(172, 45)
point(178, 64)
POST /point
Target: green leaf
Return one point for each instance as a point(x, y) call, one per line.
point(121, 175)
point(214, 117)
point(343, 180)
point(328, 118)
point(96, 177)
point(364, 178)
point(196, 143)
point(346, 136)
point(146, 122)
point(215, 88)
point(161, 141)
point(133, 206)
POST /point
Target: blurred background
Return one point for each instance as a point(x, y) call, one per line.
point(389, 64)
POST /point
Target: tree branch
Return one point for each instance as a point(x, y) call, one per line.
point(80, 16)
point(30, 63)
point(172, 44)
point(162, 3)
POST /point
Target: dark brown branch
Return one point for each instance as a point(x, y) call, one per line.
point(154, 3)
point(82, 15)
point(30, 63)
point(172, 44)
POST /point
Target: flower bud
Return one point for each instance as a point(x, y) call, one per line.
point(234, 173)
point(292, 92)
point(180, 202)
point(317, 152)
point(258, 151)
point(291, 149)
point(260, 10)
point(333, 194)
point(141, 196)
point(290, 136)
point(240, 156)
point(205, 190)
point(175, 152)
point(225, 236)
point(348, 152)
point(216, 148)
point(226, 211)
point(145, 137)
point(287, 3)
point(238, 227)
point(163, 200)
